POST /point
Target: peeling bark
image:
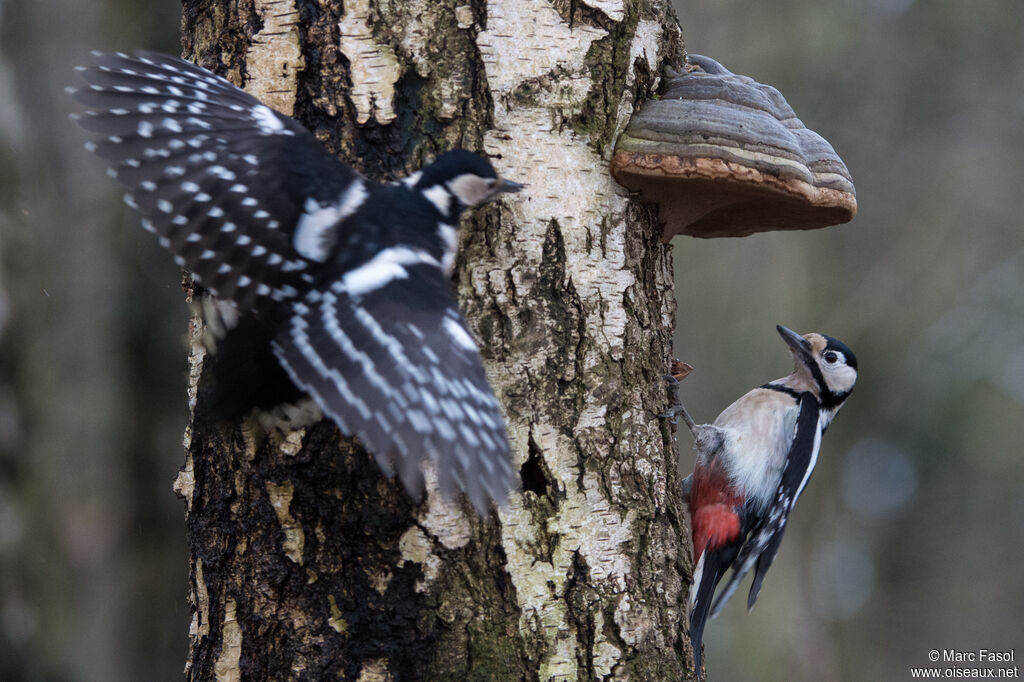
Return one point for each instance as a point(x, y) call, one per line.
point(273, 59)
point(373, 66)
point(307, 562)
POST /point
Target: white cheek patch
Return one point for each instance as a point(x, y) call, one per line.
point(839, 378)
point(470, 189)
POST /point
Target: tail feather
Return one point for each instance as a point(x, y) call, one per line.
point(764, 562)
point(710, 568)
point(760, 550)
point(705, 578)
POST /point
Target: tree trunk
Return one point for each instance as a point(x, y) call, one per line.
point(307, 562)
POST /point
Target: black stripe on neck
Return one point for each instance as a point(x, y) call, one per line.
point(828, 399)
point(782, 389)
point(819, 379)
point(831, 400)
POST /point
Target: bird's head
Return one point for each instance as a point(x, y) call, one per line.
point(460, 179)
point(825, 365)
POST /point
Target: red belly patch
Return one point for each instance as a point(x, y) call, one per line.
point(714, 503)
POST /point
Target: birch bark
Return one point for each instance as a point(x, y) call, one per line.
point(307, 563)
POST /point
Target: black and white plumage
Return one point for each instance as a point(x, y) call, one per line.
point(752, 465)
point(344, 281)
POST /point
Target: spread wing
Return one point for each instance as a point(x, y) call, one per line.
point(245, 198)
point(249, 201)
point(395, 365)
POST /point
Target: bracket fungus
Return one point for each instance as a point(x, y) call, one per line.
point(724, 156)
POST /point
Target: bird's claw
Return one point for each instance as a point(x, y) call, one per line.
point(676, 409)
point(673, 392)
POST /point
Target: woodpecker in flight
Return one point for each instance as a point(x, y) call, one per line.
point(341, 283)
point(752, 465)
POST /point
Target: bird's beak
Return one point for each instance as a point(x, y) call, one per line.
point(504, 185)
point(800, 346)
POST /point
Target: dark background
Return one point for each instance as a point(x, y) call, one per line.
point(909, 537)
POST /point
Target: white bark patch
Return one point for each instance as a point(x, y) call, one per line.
point(374, 67)
point(416, 547)
point(379, 580)
point(592, 417)
point(375, 670)
point(417, 40)
point(294, 536)
point(583, 524)
point(645, 44)
point(443, 518)
point(615, 9)
point(606, 654)
point(464, 16)
point(185, 482)
point(226, 668)
point(336, 621)
point(196, 357)
point(274, 57)
point(200, 626)
point(527, 42)
point(562, 167)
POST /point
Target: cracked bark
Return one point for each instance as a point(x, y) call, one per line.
point(307, 563)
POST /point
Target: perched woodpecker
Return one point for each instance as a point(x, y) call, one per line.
point(342, 283)
point(752, 465)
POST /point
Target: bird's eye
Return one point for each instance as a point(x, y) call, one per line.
point(831, 357)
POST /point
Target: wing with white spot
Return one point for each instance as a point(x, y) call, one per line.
point(225, 181)
point(765, 537)
point(396, 366)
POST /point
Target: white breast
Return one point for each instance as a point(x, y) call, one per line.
point(759, 428)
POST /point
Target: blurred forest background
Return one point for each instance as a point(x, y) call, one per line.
point(910, 537)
